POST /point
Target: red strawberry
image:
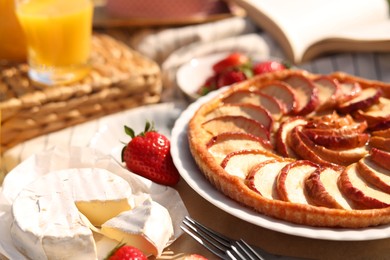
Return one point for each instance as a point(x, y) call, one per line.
point(232, 60)
point(230, 77)
point(124, 252)
point(209, 85)
point(268, 66)
point(148, 154)
point(194, 257)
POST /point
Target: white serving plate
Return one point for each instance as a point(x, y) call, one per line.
point(192, 175)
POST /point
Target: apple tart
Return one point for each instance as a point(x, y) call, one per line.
point(305, 148)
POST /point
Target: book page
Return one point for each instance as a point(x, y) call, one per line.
point(368, 37)
point(305, 22)
point(369, 32)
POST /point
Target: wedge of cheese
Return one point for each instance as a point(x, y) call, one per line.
point(46, 214)
point(147, 227)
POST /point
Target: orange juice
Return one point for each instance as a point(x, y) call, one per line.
point(58, 34)
point(12, 41)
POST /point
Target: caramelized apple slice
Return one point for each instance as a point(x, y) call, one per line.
point(334, 141)
point(374, 174)
point(291, 181)
point(341, 157)
point(237, 124)
point(328, 92)
point(340, 130)
point(382, 126)
point(364, 194)
point(241, 162)
point(380, 142)
point(375, 114)
point(382, 133)
point(366, 98)
point(295, 142)
point(221, 145)
point(306, 93)
point(336, 124)
point(380, 157)
point(254, 112)
point(283, 93)
point(281, 136)
point(322, 189)
point(256, 98)
point(262, 177)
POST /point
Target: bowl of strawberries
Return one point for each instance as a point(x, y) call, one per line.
point(205, 74)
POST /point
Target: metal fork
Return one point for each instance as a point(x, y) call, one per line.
point(218, 244)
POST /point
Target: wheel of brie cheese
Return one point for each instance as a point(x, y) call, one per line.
point(305, 148)
point(54, 216)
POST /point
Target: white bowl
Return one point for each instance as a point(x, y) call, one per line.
point(191, 76)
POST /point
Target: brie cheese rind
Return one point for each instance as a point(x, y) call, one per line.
point(148, 227)
point(237, 187)
point(52, 216)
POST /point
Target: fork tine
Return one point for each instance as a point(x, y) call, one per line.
point(217, 243)
point(245, 251)
point(200, 241)
point(212, 233)
point(213, 245)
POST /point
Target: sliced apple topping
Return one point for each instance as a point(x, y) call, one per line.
point(335, 124)
point(237, 124)
point(366, 98)
point(380, 157)
point(328, 92)
point(253, 112)
point(306, 93)
point(262, 177)
point(382, 126)
point(283, 93)
point(382, 143)
point(256, 98)
point(295, 142)
point(221, 145)
point(335, 141)
point(291, 181)
point(360, 191)
point(374, 174)
point(375, 114)
point(241, 162)
point(335, 132)
point(281, 136)
point(322, 189)
point(382, 133)
point(349, 90)
point(340, 157)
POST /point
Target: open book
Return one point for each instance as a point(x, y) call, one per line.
point(308, 28)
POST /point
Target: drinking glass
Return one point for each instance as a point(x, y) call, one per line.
point(58, 35)
point(12, 43)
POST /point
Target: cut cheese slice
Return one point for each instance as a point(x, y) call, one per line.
point(147, 227)
point(46, 213)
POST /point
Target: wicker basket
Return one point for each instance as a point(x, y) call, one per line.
point(120, 78)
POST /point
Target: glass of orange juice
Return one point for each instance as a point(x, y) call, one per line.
point(58, 35)
point(12, 43)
